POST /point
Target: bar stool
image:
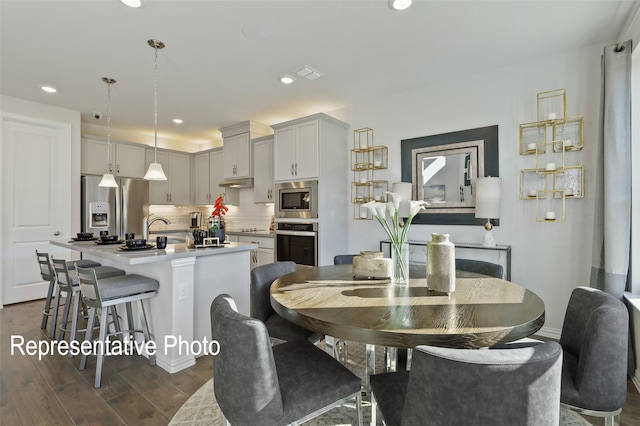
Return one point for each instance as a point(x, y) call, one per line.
point(68, 283)
point(105, 295)
point(48, 274)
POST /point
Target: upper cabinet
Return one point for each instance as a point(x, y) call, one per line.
point(237, 152)
point(177, 188)
point(296, 151)
point(298, 143)
point(127, 160)
point(238, 160)
point(208, 175)
point(263, 169)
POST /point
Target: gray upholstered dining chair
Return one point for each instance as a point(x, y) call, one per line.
point(594, 339)
point(480, 267)
point(343, 259)
point(256, 383)
point(474, 387)
point(260, 304)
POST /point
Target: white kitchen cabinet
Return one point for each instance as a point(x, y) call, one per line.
point(208, 175)
point(201, 179)
point(237, 148)
point(263, 169)
point(237, 156)
point(317, 148)
point(177, 188)
point(127, 160)
point(296, 151)
point(264, 254)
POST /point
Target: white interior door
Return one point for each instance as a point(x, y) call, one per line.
point(36, 193)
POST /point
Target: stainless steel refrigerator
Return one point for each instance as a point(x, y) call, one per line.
point(118, 210)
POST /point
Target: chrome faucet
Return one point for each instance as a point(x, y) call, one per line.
point(146, 223)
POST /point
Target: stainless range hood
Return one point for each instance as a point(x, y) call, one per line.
point(237, 183)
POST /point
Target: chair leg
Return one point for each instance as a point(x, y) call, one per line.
point(88, 337)
point(612, 420)
point(54, 315)
point(116, 321)
point(374, 409)
point(145, 330)
point(47, 304)
point(74, 319)
point(359, 408)
point(130, 322)
point(65, 316)
point(102, 338)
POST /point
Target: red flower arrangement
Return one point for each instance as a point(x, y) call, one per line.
point(219, 209)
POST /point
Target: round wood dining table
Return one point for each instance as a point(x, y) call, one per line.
point(481, 312)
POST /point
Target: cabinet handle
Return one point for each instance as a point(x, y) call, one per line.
point(56, 233)
point(110, 168)
point(292, 169)
point(296, 169)
point(118, 168)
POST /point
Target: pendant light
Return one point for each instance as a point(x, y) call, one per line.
point(155, 171)
point(107, 179)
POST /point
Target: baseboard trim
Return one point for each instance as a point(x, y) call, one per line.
point(636, 380)
point(550, 333)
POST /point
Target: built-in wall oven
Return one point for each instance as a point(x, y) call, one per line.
point(296, 200)
point(297, 242)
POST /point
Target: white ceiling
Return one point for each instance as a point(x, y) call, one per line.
point(211, 75)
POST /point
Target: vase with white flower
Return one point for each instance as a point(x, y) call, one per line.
point(387, 214)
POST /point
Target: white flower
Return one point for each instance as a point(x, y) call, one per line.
point(371, 205)
point(396, 199)
point(416, 206)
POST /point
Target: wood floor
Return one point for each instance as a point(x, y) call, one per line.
point(52, 391)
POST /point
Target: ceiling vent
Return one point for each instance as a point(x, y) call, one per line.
point(309, 73)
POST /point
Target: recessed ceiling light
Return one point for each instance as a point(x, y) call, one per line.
point(131, 3)
point(399, 4)
point(48, 89)
point(177, 121)
point(286, 79)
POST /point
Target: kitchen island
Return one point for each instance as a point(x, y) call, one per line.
point(189, 280)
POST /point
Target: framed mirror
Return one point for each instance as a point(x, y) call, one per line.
point(442, 169)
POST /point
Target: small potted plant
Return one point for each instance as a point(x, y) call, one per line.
point(216, 221)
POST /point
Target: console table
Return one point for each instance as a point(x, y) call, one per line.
point(498, 254)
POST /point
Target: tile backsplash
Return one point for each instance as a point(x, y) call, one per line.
point(247, 215)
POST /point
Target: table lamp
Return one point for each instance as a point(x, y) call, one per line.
point(488, 205)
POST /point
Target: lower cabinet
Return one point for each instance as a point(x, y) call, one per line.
point(264, 254)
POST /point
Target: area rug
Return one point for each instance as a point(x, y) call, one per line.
point(201, 409)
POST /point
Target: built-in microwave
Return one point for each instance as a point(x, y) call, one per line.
point(296, 200)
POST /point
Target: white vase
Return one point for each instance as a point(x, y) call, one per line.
point(441, 264)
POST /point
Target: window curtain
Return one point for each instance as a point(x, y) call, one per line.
point(611, 264)
point(612, 233)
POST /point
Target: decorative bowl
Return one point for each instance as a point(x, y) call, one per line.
point(136, 243)
point(109, 238)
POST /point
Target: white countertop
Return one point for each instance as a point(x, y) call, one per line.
point(173, 251)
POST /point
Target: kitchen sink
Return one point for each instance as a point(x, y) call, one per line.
point(176, 240)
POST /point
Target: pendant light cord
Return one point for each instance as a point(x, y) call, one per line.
point(155, 106)
point(109, 126)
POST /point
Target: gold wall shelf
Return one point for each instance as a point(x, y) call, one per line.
point(550, 139)
point(366, 158)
